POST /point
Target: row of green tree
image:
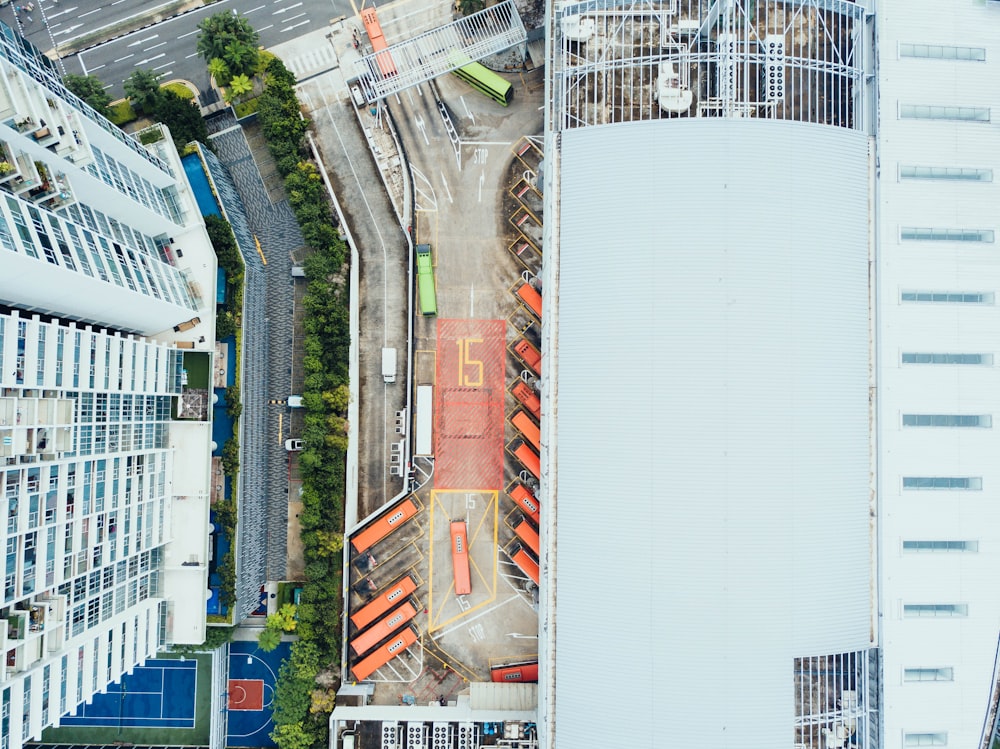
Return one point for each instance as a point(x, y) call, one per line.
point(300, 704)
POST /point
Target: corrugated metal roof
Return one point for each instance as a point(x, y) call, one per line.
point(713, 427)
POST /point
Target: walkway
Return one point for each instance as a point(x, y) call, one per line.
point(275, 226)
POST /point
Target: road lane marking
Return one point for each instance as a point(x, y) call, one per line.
point(125, 57)
point(89, 12)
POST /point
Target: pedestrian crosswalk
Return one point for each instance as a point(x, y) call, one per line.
point(317, 60)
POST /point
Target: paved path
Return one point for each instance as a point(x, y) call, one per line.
point(279, 235)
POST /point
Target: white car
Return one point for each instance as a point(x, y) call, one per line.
point(293, 445)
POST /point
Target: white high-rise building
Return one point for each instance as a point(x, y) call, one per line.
point(102, 258)
point(771, 329)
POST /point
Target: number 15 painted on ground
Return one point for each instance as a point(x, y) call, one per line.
point(465, 360)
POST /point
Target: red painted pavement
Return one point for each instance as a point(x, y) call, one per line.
point(468, 405)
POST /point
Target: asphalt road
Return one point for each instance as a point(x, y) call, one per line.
point(168, 47)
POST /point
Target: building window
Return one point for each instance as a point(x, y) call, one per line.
point(929, 234)
point(939, 738)
point(947, 173)
point(927, 358)
point(947, 420)
point(945, 546)
point(938, 610)
point(947, 297)
point(974, 483)
point(936, 112)
point(942, 52)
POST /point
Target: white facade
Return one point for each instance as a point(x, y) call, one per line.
point(939, 189)
point(87, 210)
point(87, 482)
point(100, 241)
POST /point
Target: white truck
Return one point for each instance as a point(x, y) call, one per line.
point(389, 365)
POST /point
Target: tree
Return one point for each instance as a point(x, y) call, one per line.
point(292, 736)
point(143, 88)
point(238, 85)
point(219, 70)
point(329, 542)
point(323, 701)
point(268, 639)
point(182, 117)
point(283, 620)
point(90, 89)
point(240, 57)
point(222, 29)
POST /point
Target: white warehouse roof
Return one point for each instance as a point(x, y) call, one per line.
point(713, 452)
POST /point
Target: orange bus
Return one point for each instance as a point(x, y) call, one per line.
point(383, 628)
point(520, 672)
point(528, 457)
point(384, 653)
point(383, 525)
point(526, 501)
point(374, 30)
point(527, 534)
point(529, 355)
point(527, 397)
point(527, 294)
point(528, 429)
point(373, 610)
point(528, 565)
point(460, 558)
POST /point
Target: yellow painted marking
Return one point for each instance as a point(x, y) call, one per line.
point(281, 418)
point(492, 497)
point(259, 250)
point(464, 360)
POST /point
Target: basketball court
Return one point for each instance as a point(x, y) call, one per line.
point(250, 693)
point(469, 407)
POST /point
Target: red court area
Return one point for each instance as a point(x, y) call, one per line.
point(468, 408)
point(246, 694)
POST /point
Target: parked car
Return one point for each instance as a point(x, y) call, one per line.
point(293, 445)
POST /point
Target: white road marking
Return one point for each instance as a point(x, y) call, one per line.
point(69, 30)
point(446, 188)
point(161, 44)
point(259, 7)
point(125, 57)
point(89, 12)
point(140, 41)
point(149, 59)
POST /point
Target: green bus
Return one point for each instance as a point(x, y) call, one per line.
point(425, 281)
point(481, 78)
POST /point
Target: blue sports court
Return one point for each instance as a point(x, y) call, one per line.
point(252, 675)
point(160, 694)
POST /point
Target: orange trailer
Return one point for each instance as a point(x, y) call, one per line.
point(383, 628)
point(383, 525)
point(385, 601)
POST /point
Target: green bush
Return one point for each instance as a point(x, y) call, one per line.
point(121, 113)
point(246, 108)
point(150, 136)
point(180, 89)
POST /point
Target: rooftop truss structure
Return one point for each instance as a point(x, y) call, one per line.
point(439, 51)
point(625, 60)
point(833, 700)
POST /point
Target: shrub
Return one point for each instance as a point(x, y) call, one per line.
point(180, 89)
point(121, 113)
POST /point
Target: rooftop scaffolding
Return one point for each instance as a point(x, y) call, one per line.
point(433, 53)
point(800, 60)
